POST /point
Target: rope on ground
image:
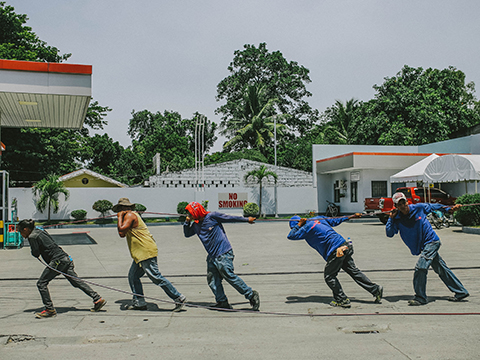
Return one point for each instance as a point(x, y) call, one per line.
point(187, 304)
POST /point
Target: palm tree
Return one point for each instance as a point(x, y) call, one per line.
point(260, 174)
point(255, 129)
point(47, 192)
point(341, 119)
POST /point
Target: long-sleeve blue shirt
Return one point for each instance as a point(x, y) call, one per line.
point(211, 233)
point(415, 229)
point(319, 234)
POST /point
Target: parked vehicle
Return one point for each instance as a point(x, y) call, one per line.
point(438, 219)
point(382, 206)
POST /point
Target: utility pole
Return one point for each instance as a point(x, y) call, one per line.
point(275, 152)
point(199, 154)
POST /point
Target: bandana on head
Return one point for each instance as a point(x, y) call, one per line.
point(196, 210)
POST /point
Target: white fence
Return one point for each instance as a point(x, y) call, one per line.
point(291, 200)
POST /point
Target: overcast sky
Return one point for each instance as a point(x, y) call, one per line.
point(170, 55)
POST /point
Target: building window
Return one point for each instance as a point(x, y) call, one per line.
point(336, 193)
point(379, 189)
point(84, 181)
point(354, 191)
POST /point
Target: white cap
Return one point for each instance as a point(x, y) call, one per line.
point(398, 196)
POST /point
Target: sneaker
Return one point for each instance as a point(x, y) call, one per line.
point(223, 305)
point(46, 314)
point(458, 299)
point(179, 302)
point(135, 307)
point(255, 301)
point(414, 303)
point(379, 295)
point(342, 303)
point(97, 305)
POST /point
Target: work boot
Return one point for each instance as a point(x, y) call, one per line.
point(457, 299)
point(223, 305)
point(179, 302)
point(255, 301)
point(414, 302)
point(379, 295)
point(97, 305)
point(46, 314)
point(342, 303)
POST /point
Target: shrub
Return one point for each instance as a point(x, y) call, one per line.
point(250, 209)
point(140, 208)
point(181, 207)
point(468, 215)
point(102, 206)
point(181, 210)
point(78, 214)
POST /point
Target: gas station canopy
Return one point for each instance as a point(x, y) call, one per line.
point(44, 95)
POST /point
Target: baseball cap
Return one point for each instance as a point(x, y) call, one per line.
point(398, 196)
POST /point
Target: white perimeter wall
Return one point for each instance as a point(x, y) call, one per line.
point(291, 200)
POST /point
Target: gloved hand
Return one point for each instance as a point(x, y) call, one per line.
point(302, 222)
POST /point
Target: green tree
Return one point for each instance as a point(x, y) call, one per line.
point(102, 206)
point(255, 129)
point(258, 175)
point(249, 154)
point(169, 135)
point(417, 107)
point(339, 122)
point(34, 153)
point(282, 80)
point(46, 193)
point(19, 42)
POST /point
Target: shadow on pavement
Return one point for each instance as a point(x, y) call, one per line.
point(150, 306)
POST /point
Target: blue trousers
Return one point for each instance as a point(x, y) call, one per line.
point(430, 257)
point(149, 267)
point(220, 268)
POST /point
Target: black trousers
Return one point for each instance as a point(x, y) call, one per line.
point(66, 266)
point(332, 268)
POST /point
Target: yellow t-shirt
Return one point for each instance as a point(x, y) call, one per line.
point(140, 242)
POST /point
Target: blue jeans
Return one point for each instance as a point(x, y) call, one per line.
point(430, 257)
point(149, 267)
point(220, 268)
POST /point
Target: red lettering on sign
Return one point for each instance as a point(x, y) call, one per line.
point(232, 196)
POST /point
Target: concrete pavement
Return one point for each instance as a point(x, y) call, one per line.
point(289, 278)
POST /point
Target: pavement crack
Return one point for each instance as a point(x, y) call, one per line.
point(400, 351)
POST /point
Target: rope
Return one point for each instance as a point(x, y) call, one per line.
point(257, 220)
point(266, 312)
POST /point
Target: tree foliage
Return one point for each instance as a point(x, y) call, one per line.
point(102, 206)
point(281, 80)
point(339, 122)
point(258, 175)
point(417, 107)
point(255, 129)
point(169, 135)
point(19, 42)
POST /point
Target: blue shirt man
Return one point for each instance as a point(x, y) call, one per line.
point(417, 233)
point(208, 226)
point(319, 234)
